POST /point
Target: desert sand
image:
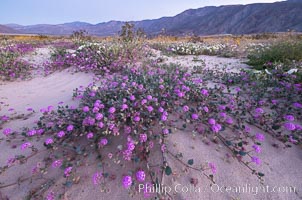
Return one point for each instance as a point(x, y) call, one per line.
point(284, 168)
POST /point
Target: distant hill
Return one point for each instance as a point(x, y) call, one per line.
point(231, 19)
point(6, 29)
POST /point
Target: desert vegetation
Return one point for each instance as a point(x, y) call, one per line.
point(120, 130)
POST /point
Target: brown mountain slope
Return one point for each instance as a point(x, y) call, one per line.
point(232, 19)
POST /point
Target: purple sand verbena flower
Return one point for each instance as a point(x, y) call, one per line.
point(99, 116)
point(297, 105)
point(144, 101)
point(127, 181)
point(67, 171)
point(103, 142)
point(212, 121)
point(213, 168)
point(95, 109)
point(127, 154)
point(223, 114)
point(229, 120)
point(163, 148)
point(194, 116)
point(40, 131)
point(89, 135)
point(256, 160)
point(290, 126)
point(298, 127)
point(49, 108)
point(127, 129)
point(97, 177)
point(132, 97)
point(136, 118)
point(25, 145)
point(216, 128)
point(7, 131)
point(259, 111)
point(48, 141)
point(247, 129)
point(181, 94)
point(31, 132)
point(57, 163)
point(112, 110)
point(61, 134)
point(124, 106)
point(50, 196)
point(140, 176)
point(206, 109)
point(130, 145)
point(289, 117)
point(150, 108)
point(259, 136)
point(69, 127)
point(257, 148)
point(165, 131)
point(143, 137)
point(185, 108)
point(100, 124)
point(85, 109)
point(204, 92)
point(161, 109)
point(164, 118)
point(221, 107)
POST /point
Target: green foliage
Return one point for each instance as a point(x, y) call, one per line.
point(59, 51)
point(263, 36)
point(80, 36)
point(127, 33)
point(43, 37)
point(284, 52)
point(130, 34)
point(11, 66)
point(168, 171)
point(191, 162)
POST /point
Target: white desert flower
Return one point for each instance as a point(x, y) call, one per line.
point(94, 88)
point(292, 71)
point(257, 72)
point(267, 72)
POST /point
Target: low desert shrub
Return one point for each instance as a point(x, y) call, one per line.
point(11, 65)
point(284, 52)
point(126, 118)
point(129, 116)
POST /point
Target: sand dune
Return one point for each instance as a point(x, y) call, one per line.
point(283, 168)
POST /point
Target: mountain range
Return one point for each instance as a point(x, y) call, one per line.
point(230, 19)
point(7, 29)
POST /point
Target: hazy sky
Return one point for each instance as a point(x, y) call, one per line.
point(28, 12)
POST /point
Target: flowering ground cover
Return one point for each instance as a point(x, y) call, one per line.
point(140, 121)
point(11, 67)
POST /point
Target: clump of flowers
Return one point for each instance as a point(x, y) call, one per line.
point(189, 48)
point(129, 106)
point(128, 116)
point(11, 65)
point(97, 57)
